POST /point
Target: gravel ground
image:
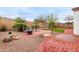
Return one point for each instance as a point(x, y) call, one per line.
point(26, 43)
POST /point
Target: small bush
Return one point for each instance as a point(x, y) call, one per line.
point(3, 28)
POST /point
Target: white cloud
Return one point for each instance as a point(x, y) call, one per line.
point(29, 19)
point(31, 13)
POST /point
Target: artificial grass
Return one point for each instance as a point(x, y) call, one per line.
point(58, 30)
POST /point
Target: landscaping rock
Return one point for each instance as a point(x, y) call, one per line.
point(15, 37)
point(7, 39)
point(46, 35)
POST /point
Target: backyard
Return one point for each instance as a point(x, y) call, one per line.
point(47, 32)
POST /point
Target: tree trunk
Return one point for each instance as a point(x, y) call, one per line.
point(52, 31)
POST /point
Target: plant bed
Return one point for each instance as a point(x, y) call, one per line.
point(29, 32)
point(9, 32)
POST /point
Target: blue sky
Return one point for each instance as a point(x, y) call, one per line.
point(30, 13)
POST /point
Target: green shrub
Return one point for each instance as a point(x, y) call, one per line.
point(20, 24)
point(3, 28)
point(35, 26)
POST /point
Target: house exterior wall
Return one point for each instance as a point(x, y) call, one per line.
point(76, 22)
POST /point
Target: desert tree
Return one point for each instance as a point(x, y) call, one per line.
point(40, 19)
point(51, 20)
point(35, 24)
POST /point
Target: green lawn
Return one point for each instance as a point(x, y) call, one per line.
point(58, 30)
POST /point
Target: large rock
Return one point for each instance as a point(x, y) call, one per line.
point(15, 37)
point(7, 39)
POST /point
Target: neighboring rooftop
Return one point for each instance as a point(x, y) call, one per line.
point(76, 9)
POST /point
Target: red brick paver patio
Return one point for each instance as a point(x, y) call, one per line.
point(60, 43)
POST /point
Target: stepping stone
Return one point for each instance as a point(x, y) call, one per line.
point(46, 35)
